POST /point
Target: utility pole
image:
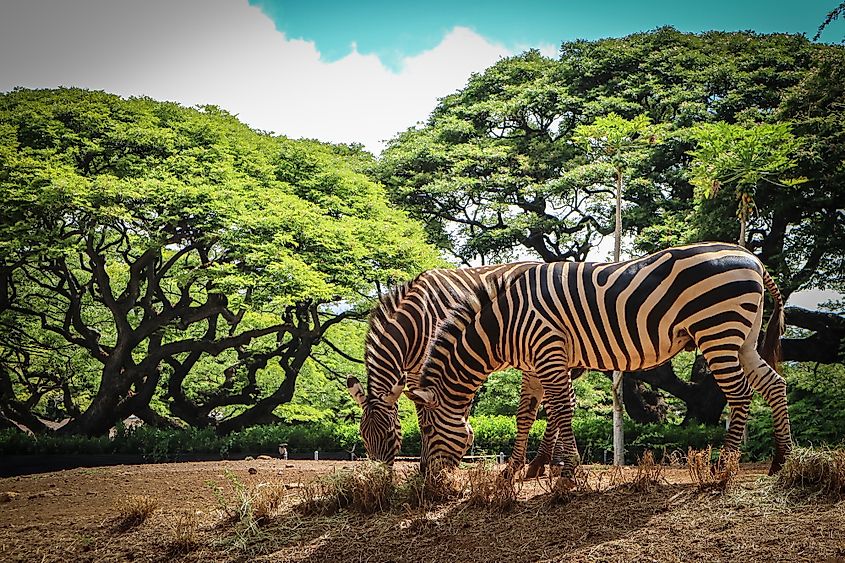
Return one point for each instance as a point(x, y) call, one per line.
point(618, 406)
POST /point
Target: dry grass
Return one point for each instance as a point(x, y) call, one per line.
point(648, 474)
point(135, 510)
point(708, 476)
point(184, 532)
point(372, 487)
point(249, 505)
point(367, 488)
point(645, 477)
point(819, 471)
point(486, 487)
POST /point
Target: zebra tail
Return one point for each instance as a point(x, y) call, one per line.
point(771, 351)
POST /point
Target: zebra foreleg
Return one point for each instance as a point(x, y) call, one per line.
point(529, 401)
point(537, 467)
point(560, 415)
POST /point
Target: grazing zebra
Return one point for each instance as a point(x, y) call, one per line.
point(624, 316)
point(401, 330)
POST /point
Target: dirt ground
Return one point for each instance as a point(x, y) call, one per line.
point(73, 516)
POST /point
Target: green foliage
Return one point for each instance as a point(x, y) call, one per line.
point(182, 230)
point(500, 394)
point(741, 157)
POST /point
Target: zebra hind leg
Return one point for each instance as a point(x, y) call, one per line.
point(765, 380)
point(732, 380)
point(537, 467)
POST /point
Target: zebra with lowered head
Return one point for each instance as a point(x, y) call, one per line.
point(624, 316)
point(401, 329)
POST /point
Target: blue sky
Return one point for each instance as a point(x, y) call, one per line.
point(393, 30)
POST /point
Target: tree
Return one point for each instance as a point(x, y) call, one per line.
point(495, 171)
point(742, 158)
point(615, 141)
point(484, 173)
point(155, 238)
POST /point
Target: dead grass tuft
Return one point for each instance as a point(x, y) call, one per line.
point(648, 474)
point(325, 495)
point(372, 487)
point(135, 510)
point(184, 532)
point(819, 471)
point(708, 476)
point(487, 488)
point(368, 488)
point(249, 505)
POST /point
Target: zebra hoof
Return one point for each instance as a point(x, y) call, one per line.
point(777, 462)
point(507, 474)
point(536, 468)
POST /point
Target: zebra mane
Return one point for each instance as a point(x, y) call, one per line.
point(383, 314)
point(386, 309)
point(469, 307)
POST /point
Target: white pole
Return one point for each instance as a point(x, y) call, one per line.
point(618, 407)
point(316, 455)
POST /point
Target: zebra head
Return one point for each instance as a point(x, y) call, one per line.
point(445, 435)
point(380, 428)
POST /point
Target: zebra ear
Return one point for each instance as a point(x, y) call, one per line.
point(421, 397)
point(393, 396)
point(355, 389)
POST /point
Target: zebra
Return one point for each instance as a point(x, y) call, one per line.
point(623, 316)
point(401, 329)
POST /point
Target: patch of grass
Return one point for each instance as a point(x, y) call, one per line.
point(372, 487)
point(410, 491)
point(368, 488)
point(326, 494)
point(184, 533)
point(135, 510)
point(648, 474)
point(819, 471)
point(709, 476)
point(250, 505)
point(487, 488)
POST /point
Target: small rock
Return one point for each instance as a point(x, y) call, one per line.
point(8, 496)
point(293, 485)
point(249, 458)
point(264, 457)
point(252, 471)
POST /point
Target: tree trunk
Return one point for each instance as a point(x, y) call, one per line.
point(105, 410)
point(643, 404)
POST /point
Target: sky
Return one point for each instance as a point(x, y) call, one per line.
point(335, 70)
point(339, 71)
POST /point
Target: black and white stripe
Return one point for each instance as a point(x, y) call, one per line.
point(401, 330)
point(624, 316)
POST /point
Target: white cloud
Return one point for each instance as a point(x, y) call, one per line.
point(230, 54)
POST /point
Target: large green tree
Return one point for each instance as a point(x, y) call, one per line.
point(156, 238)
point(495, 171)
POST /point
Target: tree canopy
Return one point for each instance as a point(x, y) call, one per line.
point(156, 239)
point(521, 161)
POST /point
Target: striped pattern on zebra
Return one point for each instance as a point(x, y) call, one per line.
point(401, 329)
point(624, 316)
